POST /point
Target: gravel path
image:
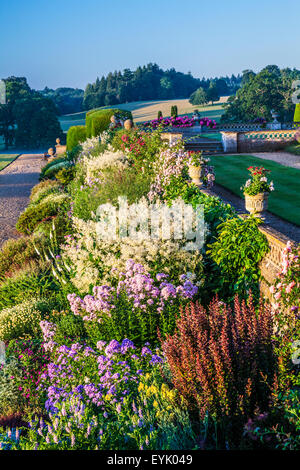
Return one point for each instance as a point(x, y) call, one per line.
point(284, 158)
point(16, 182)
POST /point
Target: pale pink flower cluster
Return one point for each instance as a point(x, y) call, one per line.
point(170, 164)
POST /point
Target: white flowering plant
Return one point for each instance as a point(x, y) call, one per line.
point(258, 182)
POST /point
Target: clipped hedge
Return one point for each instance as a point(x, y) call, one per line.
point(98, 121)
point(76, 135)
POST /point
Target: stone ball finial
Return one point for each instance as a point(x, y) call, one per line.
point(58, 141)
point(128, 124)
point(51, 151)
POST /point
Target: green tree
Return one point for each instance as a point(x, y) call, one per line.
point(261, 93)
point(199, 97)
point(212, 92)
point(7, 123)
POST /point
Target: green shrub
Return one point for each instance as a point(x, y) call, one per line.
point(174, 111)
point(43, 185)
point(53, 163)
point(34, 282)
point(70, 329)
point(128, 182)
point(98, 121)
point(22, 319)
point(17, 254)
point(76, 135)
point(54, 169)
point(9, 393)
point(159, 115)
point(237, 251)
point(35, 213)
point(66, 175)
point(297, 113)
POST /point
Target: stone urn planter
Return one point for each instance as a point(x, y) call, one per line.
point(195, 173)
point(128, 124)
point(257, 204)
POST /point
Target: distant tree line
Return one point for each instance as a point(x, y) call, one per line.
point(261, 93)
point(67, 100)
point(150, 82)
point(28, 119)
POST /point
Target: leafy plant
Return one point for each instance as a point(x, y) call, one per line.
point(237, 251)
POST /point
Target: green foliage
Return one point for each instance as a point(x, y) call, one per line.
point(159, 115)
point(199, 97)
point(294, 149)
point(66, 175)
point(22, 319)
point(98, 121)
point(36, 282)
point(9, 393)
point(76, 135)
point(238, 249)
point(70, 328)
point(270, 89)
point(125, 321)
point(43, 189)
point(297, 113)
point(46, 170)
point(29, 118)
point(49, 207)
point(17, 254)
point(67, 100)
point(129, 183)
point(174, 111)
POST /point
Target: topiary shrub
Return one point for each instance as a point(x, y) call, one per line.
point(35, 213)
point(297, 114)
point(98, 121)
point(174, 111)
point(75, 135)
point(159, 115)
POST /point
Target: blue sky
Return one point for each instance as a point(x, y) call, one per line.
point(71, 42)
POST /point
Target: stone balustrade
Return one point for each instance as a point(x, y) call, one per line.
point(257, 141)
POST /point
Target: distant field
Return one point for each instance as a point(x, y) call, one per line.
point(146, 110)
point(6, 159)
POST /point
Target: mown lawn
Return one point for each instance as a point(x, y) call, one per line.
point(231, 172)
point(6, 159)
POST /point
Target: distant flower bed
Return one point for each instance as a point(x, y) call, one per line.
point(179, 122)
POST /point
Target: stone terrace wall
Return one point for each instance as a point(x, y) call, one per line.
point(264, 141)
point(270, 265)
